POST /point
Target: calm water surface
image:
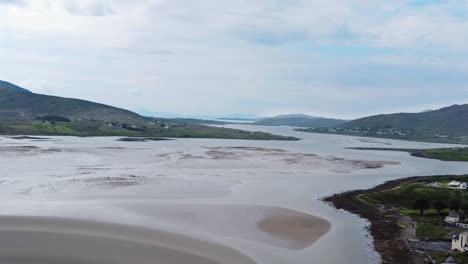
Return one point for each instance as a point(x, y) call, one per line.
point(162, 184)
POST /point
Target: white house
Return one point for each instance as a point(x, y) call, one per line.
point(454, 184)
point(452, 218)
point(458, 185)
point(460, 242)
point(463, 186)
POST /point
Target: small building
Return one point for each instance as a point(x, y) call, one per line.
point(458, 185)
point(450, 260)
point(462, 225)
point(454, 183)
point(463, 186)
point(452, 218)
point(435, 185)
point(460, 242)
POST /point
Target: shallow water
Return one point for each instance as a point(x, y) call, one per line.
point(213, 190)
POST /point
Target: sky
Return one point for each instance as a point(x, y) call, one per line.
point(334, 58)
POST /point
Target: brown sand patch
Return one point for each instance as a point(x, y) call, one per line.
point(112, 181)
point(301, 230)
point(28, 150)
point(29, 137)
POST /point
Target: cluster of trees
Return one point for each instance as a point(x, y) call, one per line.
point(422, 205)
point(53, 119)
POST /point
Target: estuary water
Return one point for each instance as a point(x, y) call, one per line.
point(195, 200)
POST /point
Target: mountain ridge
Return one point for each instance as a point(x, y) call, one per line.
point(299, 120)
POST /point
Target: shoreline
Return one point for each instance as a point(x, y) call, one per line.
point(419, 140)
point(387, 226)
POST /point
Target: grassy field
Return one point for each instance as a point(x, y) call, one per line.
point(445, 154)
point(98, 128)
point(457, 154)
point(420, 136)
point(439, 257)
point(405, 195)
point(431, 224)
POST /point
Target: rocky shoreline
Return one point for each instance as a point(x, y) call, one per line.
point(390, 230)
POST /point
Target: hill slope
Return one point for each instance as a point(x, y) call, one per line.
point(18, 102)
point(23, 112)
point(449, 124)
point(452, 120)
point(300, 121)
point(5, 86)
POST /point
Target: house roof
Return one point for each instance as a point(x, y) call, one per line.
point(454, 214)
point(450, 259)
point(454, 183)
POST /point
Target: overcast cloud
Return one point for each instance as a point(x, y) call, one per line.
point(346, 58)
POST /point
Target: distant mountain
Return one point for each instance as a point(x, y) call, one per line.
point(240, 119)
point(238, 116)
point(293, 116)
point(300, 120)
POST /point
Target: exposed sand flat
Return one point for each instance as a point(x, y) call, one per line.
point(57, 240)
point(273, 226)
point(299, 229)
point(253, 197)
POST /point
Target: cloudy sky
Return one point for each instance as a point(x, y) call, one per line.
point(342, 58)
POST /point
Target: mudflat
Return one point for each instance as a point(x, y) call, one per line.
point(59, 240)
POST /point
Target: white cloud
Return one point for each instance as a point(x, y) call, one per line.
point(260, 56)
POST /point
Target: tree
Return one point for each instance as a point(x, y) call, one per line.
point(421, 205)
point(464, 207)
point(455, 205)
point(439, 206)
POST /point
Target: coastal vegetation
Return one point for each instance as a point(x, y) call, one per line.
point(416, 206)
point(445, 154)
point(389, 133)
point(151, 129)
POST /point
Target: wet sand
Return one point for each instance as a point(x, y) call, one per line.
point(271, 226)
point(300, 229)
point(58, 240)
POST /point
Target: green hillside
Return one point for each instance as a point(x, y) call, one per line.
point(451, 121)
point(23, 104)
point(26, 113)
point(449, 124)
point(5, 86)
